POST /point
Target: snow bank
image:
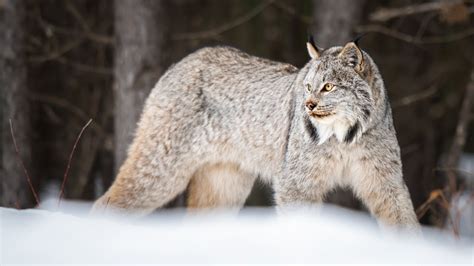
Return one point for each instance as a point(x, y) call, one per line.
point(254, 236)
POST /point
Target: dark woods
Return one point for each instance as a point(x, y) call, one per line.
point(64, 62)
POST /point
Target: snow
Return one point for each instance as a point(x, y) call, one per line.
point(329, 235)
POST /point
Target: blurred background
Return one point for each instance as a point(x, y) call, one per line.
point(65, 62)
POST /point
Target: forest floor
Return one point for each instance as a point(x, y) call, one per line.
point(329, 235)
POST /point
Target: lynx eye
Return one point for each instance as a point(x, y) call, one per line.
point(328, 87)
point(308, 87)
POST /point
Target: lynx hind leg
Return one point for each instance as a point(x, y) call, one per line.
point(140, 195)
point(140, 187)
point(219, 186)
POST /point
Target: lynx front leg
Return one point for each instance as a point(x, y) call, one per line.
point(379, 184)
point(301, 188)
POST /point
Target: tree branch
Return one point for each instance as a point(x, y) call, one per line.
point(411, 39)
point(291, 11)
point(57, 53)
point(68, 106)
point(84, 67)
point(385, 14)
point(226, 27)
point(461, 133)
point(407, 100)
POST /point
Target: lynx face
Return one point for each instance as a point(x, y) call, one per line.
point(338, 100)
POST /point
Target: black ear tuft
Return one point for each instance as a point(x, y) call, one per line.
point(311, 40)
point(313, 50)
point(357, 38)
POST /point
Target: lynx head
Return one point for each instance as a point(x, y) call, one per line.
point(339, 91)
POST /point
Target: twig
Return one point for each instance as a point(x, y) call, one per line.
point(48, 26)
point(77, 15)
point(84, 25)
point(414, 40)
point(407, 100)
point(226, 27)
point(106, 204)
point(68, 106)
point(424, 25)
point(423, 208)
point(66, 172)
point(96, 37)
point(437, 196)
point(385, 14)
point(85, 68)
point(58, 53)
point(410, 149)
point(60, 102)
point(291, 11)
point(17, 204)
point(453, 169)
point(22, 164)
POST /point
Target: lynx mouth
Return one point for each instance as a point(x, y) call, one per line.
point(321, 114)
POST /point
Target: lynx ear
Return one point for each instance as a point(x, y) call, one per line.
point(352, 54)
point(313, 50)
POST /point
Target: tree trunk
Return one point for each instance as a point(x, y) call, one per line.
point(140, 34)
point(13, 92)
point(334, 21)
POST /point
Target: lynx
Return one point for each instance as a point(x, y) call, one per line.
point(220, 118)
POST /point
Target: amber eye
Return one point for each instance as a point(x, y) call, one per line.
point(328, 87)
point(308, 87)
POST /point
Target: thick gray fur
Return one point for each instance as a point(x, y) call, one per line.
point(220, 118)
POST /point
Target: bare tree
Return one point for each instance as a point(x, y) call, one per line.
point(140, 35)
point(335, 20)
point(14, 190)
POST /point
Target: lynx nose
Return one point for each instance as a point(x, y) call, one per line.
point(310, 104)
